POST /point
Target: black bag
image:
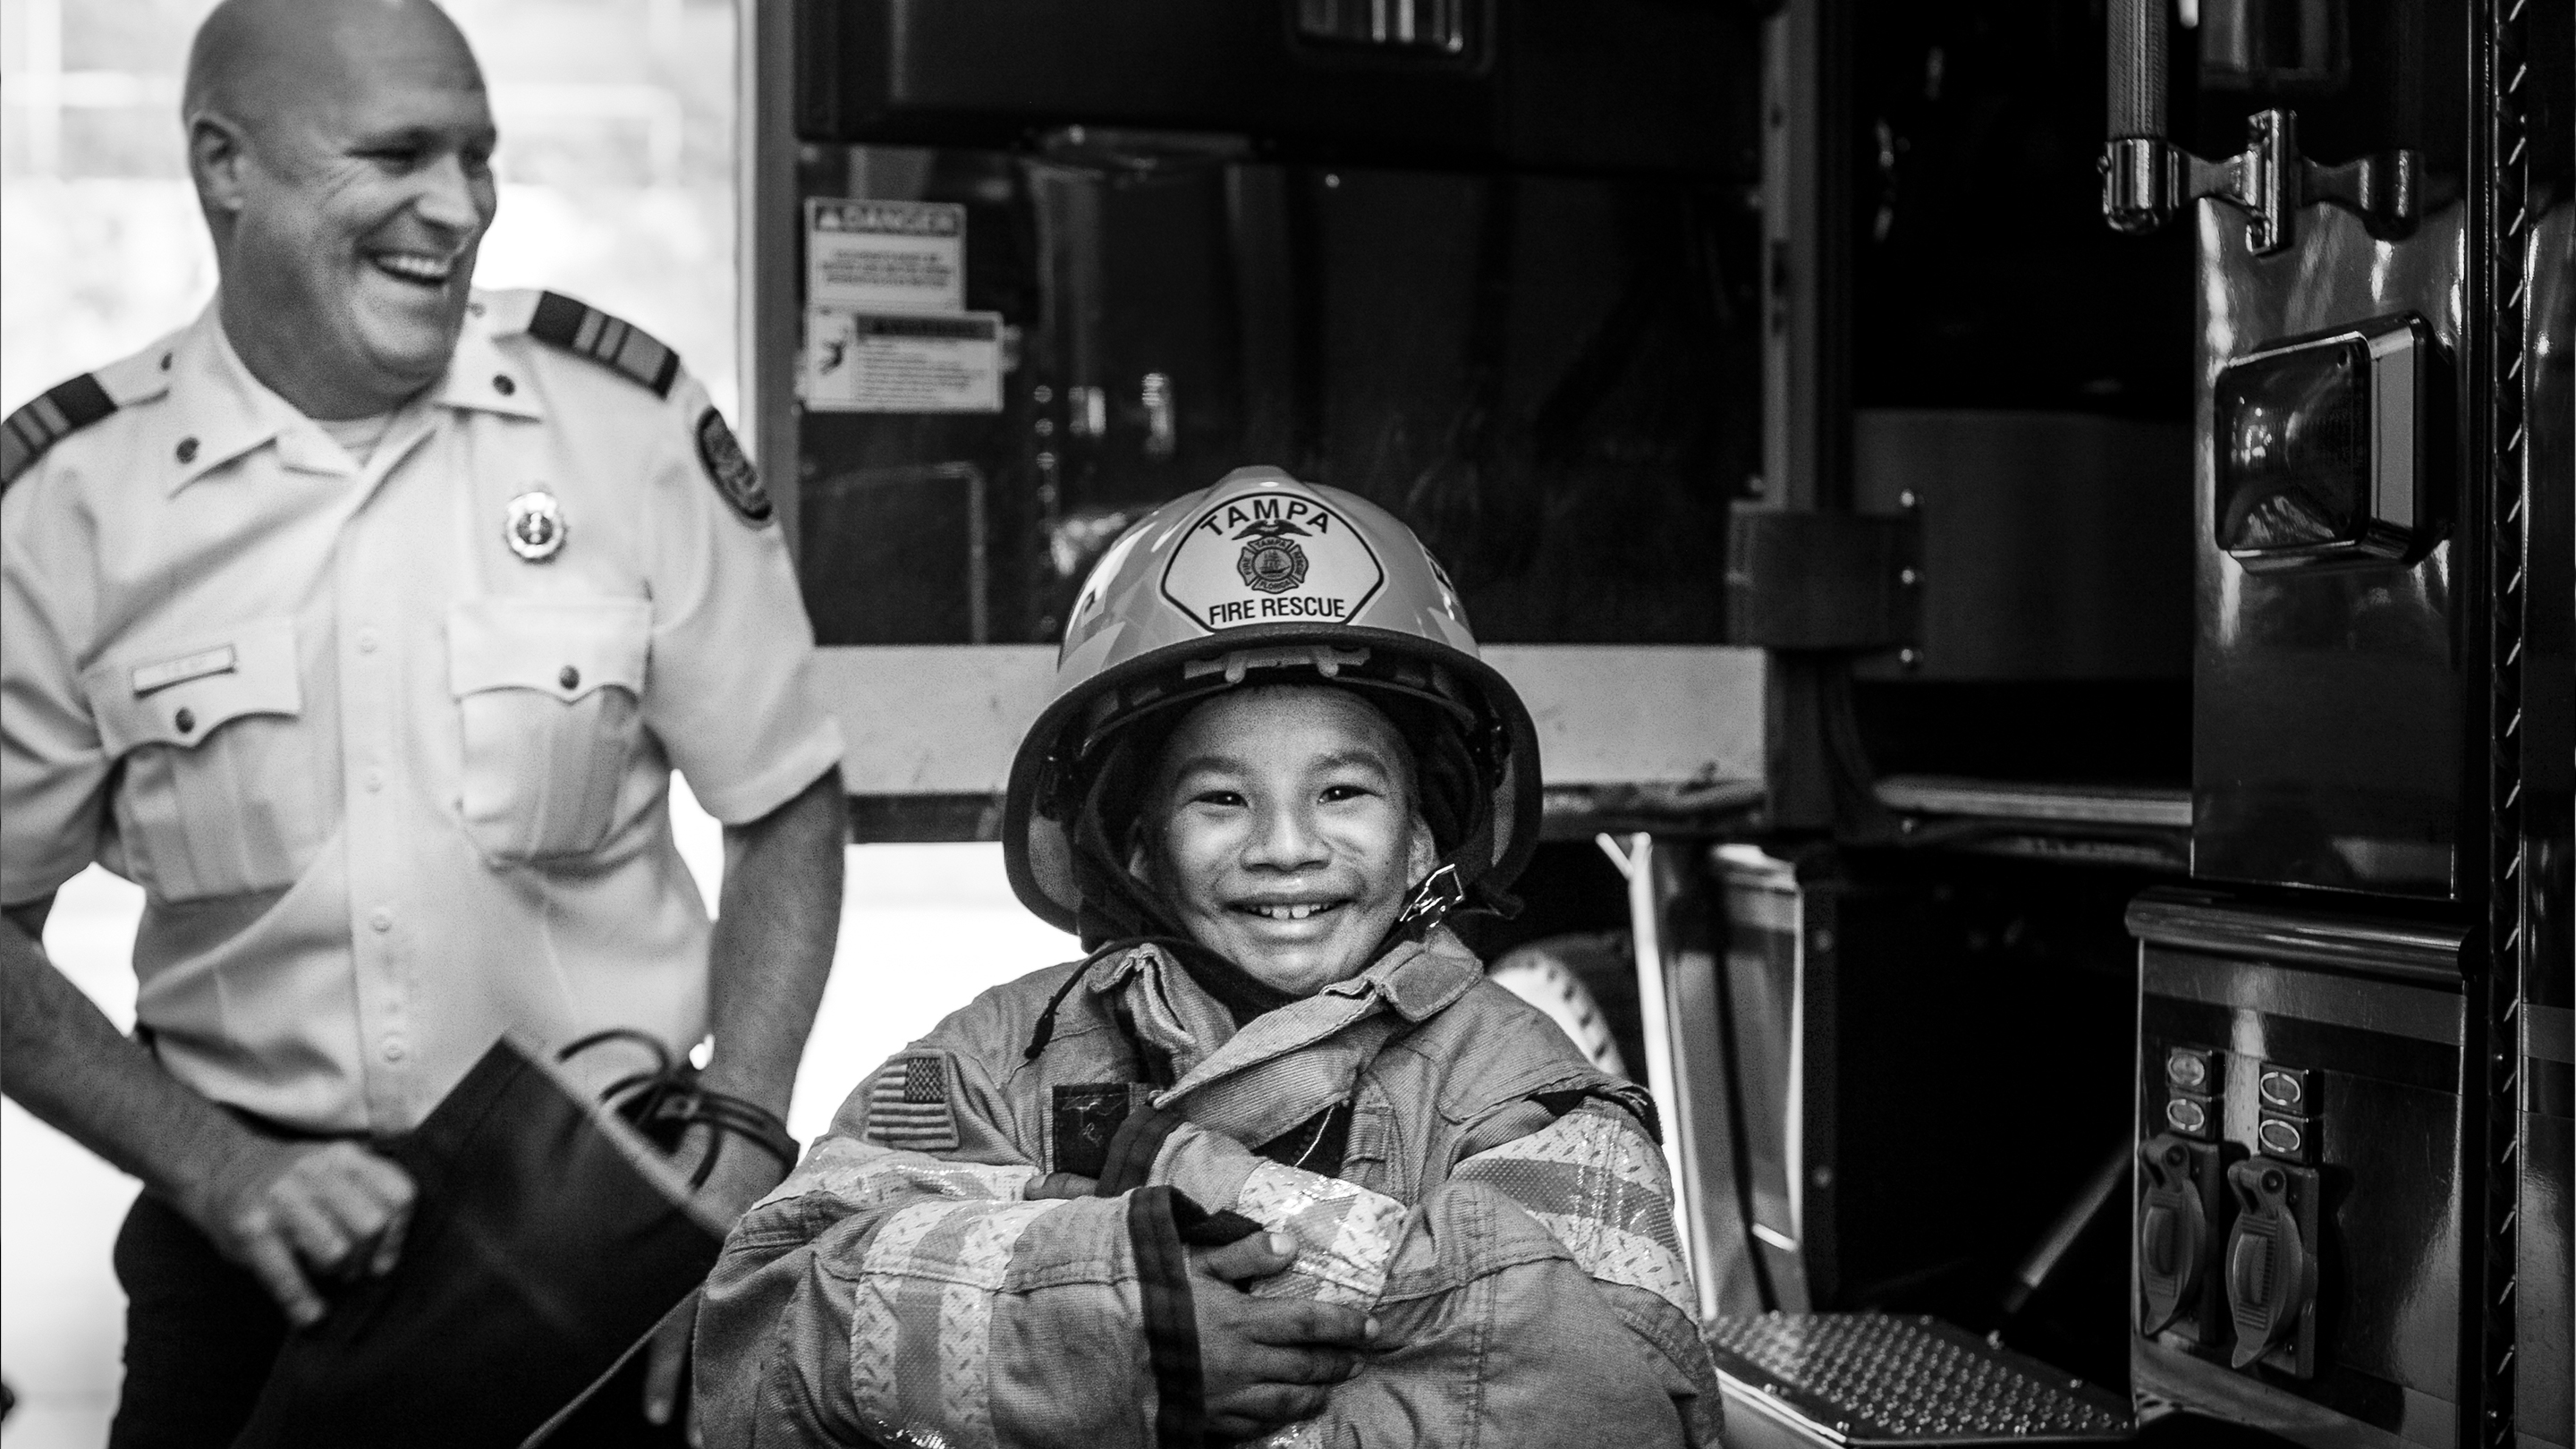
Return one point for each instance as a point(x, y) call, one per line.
point(548, 1239)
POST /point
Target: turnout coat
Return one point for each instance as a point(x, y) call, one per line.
point(1499, 1206)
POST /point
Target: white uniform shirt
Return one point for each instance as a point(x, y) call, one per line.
point(390, 788)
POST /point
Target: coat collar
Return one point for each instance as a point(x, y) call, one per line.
point(1350, 1020)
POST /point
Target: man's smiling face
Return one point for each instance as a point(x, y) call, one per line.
point(364, 199)
point(1281, 828)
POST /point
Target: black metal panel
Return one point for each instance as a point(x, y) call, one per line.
point(1984, 278)
point(2056, 545)
point(1522, 368)
point(2332, 710)
point(1548, 84)
point(2544, 1402)
point(2382, 1119)
point(1914, 1045)
point(1824, 581)
point(2425, 950)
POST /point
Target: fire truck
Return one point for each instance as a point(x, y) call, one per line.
point(2038, 536)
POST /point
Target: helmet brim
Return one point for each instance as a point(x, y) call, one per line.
point(1038, 850)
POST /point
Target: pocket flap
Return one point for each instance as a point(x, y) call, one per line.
point(562, 647)
point(166, 696)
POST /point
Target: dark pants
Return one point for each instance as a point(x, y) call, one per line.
point(200, 1334)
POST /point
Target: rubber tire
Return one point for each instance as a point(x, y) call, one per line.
point(1550, 975)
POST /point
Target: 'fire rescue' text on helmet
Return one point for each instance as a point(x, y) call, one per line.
point(1268, 579)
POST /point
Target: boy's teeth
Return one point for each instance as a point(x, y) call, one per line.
point(1287, 913)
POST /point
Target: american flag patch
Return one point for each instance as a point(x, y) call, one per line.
point(908, 1104)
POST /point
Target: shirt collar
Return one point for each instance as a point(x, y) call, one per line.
point(219, 411)
point(222, 412)
point(481, 377)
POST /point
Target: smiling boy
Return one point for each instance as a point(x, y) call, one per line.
point(1275, 1159)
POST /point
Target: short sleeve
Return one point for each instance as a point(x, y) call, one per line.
point(53, 769)
point(731, 691)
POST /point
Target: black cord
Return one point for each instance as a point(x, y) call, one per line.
point(664, 1103)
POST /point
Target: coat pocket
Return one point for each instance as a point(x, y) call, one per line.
point(549, 696)
point(217, 794)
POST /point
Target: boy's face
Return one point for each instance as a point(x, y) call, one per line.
point(1281, 827)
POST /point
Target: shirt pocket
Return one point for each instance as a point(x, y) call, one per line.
point(218, 794)
point(549, 694)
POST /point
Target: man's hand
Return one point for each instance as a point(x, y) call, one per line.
point(289, 1212)
point(744, 1174)
point(297, 1213)
point(1265, 1363)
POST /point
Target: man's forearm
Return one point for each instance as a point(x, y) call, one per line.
point(63, 1060)
point(778, 915)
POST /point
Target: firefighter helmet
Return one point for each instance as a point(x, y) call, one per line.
point(1265, 579)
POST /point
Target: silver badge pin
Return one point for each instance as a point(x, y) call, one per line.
point(536, 527)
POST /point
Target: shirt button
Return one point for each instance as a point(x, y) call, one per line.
point(185, 720)
point(570, 678)
point(381, 919)
point(366, 641)
point(375, 779)
point(187, 450)
point(395, 1049)
point(501, 384)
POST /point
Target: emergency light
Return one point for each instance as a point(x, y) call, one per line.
point(2321, 443)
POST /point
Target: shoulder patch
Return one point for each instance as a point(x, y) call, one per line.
point(59, 413)
point(730, 471)
point(580, 327)
point(908, 1104)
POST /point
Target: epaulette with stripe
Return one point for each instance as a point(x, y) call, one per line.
point(580, 327)
point(58, 414)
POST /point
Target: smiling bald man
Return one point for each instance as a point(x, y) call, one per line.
point(361, 622)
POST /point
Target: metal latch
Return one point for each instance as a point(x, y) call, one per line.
point(2146, 178)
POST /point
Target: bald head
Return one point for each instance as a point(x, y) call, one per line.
point(255, 60)
point(342, 154)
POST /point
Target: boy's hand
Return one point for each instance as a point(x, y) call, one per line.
point(1265, 1363)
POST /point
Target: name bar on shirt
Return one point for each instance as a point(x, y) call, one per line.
point(149, 677)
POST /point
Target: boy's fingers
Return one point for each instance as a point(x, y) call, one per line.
point(1290, 1324)
point(1262, 1408)
point(1255, 1256)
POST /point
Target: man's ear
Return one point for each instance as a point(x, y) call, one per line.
point(218, 153)
point(1140, 861)
point(1420, 854)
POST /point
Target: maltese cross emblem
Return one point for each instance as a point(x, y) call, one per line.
point(1272, 562)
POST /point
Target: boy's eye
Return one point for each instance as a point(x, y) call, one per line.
point(1227, 798)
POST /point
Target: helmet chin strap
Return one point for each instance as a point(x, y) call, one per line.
point(1440, 893)
point(1444, 892)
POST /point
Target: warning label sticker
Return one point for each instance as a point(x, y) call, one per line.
point(858, 362)
point(1271, 558)
point(885, 256)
